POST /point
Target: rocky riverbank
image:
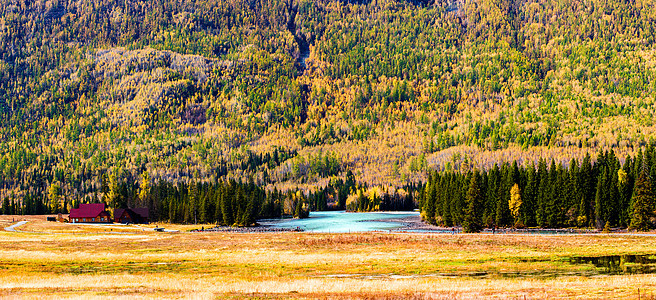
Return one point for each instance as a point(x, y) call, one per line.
point(254, 229)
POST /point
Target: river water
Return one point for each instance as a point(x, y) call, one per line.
point(406, 222)
point(341, 221)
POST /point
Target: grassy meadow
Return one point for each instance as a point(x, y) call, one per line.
point(144, 264)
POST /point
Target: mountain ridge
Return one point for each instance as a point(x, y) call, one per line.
point(390, 89)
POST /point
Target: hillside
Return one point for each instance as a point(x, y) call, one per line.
point(295, 94)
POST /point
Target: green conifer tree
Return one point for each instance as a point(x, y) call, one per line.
point(542, 194)
point(447, 218)
point(528, 196)
point(625, 180)
point(5, 206)
point(587, 192)
point(503, 216)
point(472, 221)
point(643, 203)
point(218, 213)
point(226, 206)
point(491, 196)
point(428, 209)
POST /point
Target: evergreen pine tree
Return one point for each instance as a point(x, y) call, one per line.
point(226, 206)
point(542, 194)
point(193, 202)
point(446, 203)
point(298, 208)
point(587, 192)
point(472, 221)
point(529, 195)
point(435, 196)
point(571, 192)
point(582, 219)
point(218, 214)
point(459, 204)
point(428, 209)
point(643, 203)
point(552, 204)
point(599, 199)
point(489, 213)
point(171, 209)
point(248, 218)
point(626, 180)
point(503, 216)
point(5, 206)
point(202, 208)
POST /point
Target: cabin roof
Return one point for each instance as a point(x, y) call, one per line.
point(140, 211)
point(87, 210)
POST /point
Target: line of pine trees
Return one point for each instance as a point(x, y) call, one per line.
point(221, 202)
point(229, 203)
point(603, 194)
point(224, 203)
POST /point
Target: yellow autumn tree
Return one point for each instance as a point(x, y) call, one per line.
point(54, 195)
point(515, 202)
point(144, 189)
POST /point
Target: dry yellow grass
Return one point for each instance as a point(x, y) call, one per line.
point(304, 265)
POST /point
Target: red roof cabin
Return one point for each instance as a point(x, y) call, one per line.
point(90, 213)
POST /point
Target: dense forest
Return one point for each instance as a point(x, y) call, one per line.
point(606, 194)
point(297, 95)
point(223, 203)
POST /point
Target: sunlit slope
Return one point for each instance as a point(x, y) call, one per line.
point(294, 92)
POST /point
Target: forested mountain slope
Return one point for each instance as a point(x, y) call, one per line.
point(297, 93)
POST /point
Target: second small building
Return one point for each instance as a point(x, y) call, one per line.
point(131, 215)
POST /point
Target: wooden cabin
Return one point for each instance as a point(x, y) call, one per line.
point(131, 215)
point(90, 213)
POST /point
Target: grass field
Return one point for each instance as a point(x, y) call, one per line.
point(87, 263)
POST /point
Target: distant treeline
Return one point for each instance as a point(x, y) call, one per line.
point(604, 194)
point(226, 203)
point(231, 203)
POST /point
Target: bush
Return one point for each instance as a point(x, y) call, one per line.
point(519, 224)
